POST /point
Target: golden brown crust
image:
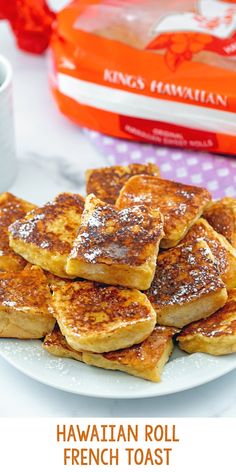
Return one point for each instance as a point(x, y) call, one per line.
point(25, 310)
point(55, 338)
point(186, 285)
point(95, 317)
point(222, 217)
point(11, 209)
point(183, 274)
point(221, 323)
point(88, 306)
point(223, 252)
point(145, 360)
point(181, 205)
point(108, 235)
point(51, 227)
point(45, 236)
point(117, 247)
point(214, 335)
point(147, 353)
point(106, 182)
point(26, 291)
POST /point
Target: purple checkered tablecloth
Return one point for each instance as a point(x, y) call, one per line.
point(217, 173)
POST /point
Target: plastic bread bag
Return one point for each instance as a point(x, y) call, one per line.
point(153, 71)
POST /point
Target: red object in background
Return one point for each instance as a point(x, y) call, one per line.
point(31, 22)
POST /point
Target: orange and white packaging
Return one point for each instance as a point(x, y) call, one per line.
point(153, 71)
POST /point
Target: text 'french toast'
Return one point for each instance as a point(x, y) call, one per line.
point(45, 236)
point(181, 205)
point(117, 247)
point(186, 286)
point(101, 318)
point(145, 360)
point(222, 217)
point(106, 182)
point(25, 304)
point(223, 252)
point(214, 335)
point(11, 209)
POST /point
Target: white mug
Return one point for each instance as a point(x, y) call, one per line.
point(8, 164)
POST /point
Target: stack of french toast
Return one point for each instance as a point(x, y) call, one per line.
point(116, 278)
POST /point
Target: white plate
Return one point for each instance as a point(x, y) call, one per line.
point(181, 373)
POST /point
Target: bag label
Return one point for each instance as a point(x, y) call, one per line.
point(167, 134)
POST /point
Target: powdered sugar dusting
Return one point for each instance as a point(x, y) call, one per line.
point(92, 255)
point(24, 230)
point(8, 303)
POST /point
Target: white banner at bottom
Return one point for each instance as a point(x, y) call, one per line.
point(93, 445)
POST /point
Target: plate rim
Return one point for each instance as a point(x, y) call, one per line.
point(129, 396)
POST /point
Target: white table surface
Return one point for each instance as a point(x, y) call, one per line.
point(53, 153)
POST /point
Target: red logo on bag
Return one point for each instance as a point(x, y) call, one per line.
point(212, 33)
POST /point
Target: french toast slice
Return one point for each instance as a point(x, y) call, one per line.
point(223, 252)
point(221, 215)
point(213, 335)
point(117, 247)
point(106, 182)
point(145, 360)
point(55, 343)
point(11, 209)
point(101, 318)
point(45, 236)
point(187, 285)
point(181, 205)
point(25, 304)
